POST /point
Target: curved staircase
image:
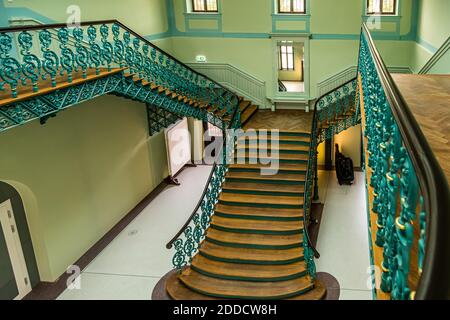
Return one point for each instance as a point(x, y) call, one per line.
point(253, 248)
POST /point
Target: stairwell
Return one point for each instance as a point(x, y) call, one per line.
point(253, 248)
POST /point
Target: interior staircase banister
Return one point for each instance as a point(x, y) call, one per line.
point(434, 282)
point(331, 91)
point(169, 245)
point(113, 21)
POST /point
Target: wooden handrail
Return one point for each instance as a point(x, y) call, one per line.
point(434, 282)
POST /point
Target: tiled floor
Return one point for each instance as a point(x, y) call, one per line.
point(294, 86)
point(343, 237)
point(133, 263)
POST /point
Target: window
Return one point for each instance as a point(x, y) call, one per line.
point(204, 6)
point(291, 6)
point(382, 7)
point(287, 58)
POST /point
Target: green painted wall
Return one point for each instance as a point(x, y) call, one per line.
point(144, 16)
point(80, 174)
point(434, 21)
point(84, 170)
point(246, 25)
point(433, 28)
point(442, 66)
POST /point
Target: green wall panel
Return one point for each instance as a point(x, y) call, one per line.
point(433, 29)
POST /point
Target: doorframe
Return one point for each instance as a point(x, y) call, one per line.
point(15, 251)
point(295, 38)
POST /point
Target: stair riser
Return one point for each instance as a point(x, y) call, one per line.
point(258, 218)
point(280, 133)
point(236, 278)
point(258, 262)
point(264, 193)
point(265, 205)
point(250, 297)
point(247, 160)
point(253, 246)
point(256, 149)
point(266, 232)
point(256, 142)
point(296, 183)
point(269, 171)
point(245, 108)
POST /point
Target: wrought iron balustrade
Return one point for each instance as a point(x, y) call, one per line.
point(187, 241)
point(334, 112)
point(337, 110)
point(411, 197)
point(38, 57)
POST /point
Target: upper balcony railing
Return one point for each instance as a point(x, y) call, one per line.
point(38, 57)
point(411, 197)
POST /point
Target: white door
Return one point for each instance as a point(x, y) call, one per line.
point(8, 224)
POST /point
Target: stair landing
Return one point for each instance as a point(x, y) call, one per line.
point(428, 97)
point(283, 120)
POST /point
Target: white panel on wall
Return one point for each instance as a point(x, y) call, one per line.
point(178, 142)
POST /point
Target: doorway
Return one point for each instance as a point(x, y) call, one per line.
point(15, 268)
point(291, 74)
point(291, 68)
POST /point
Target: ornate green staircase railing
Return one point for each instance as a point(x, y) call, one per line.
point(337, 111)
point(410, 194)
point(47, 68)
point(188, 239)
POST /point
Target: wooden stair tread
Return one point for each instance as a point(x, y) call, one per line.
point(248, 270)
point(296, 177)
point(45, 86)
point(291, 132)
point(280, 147)
point(263, 187)
point(318, 293)
point(259, 212)
point(281, 156)
point(261, 199)
point(253, 239)
point(178, 291)
point(261, 225)
point(248, 113)
point(243, 254)
point(244, 104)
point(244, 289)
point(282, 166)
point(281, 137)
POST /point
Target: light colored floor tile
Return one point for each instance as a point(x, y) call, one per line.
point(131, 265)
point(355, 295)
point(343, 237)
point(141, 248)
point(324, 177)
point(111, 287)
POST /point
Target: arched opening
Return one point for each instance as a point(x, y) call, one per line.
point(18, 268)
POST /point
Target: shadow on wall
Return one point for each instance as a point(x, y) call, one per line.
point(24, 206)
